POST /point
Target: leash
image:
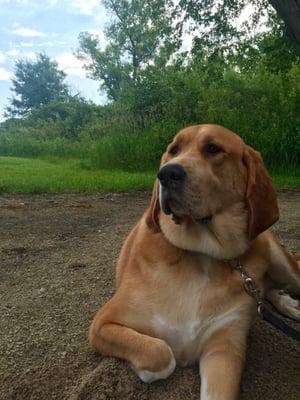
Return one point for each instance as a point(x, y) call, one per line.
point(265, 314)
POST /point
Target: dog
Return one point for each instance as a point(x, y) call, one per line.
point(179, 299)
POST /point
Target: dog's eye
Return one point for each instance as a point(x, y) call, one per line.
point(212, 149)
point(174, 150)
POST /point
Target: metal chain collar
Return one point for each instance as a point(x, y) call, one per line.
point(250, 287)
point(253, 291)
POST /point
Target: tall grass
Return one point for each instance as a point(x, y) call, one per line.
point(142, 151)
point(132, 151)
point(19, 145)
point(136, 152)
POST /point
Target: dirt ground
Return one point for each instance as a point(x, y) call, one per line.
point(57, 257)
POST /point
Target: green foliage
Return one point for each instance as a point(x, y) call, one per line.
point(217, 30)
point(36, 83)
point(262, 107)
point(132, 151)
point(23, 145)
point(139, 33)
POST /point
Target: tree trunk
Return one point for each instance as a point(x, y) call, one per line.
point(289, 11)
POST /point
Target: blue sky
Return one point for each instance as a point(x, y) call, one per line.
point(52, 26)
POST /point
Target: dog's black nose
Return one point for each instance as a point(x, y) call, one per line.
point(171, 174)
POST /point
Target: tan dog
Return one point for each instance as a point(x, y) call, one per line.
point(178, 299)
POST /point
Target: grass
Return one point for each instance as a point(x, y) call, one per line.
point(56, 175)
point(131, 151)
point(33, 175)
point(282, 181)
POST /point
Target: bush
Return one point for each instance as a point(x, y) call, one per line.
point(22, 145)
point(133, 151)
point(261, 106)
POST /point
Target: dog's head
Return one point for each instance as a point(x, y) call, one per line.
point(209, 183)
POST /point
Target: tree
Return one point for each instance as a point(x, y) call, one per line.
point(36, 83)
point(216, 17)
point(289, 11)
point(139, 34)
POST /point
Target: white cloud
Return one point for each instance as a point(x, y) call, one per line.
point(70, 65)
point(27, 44)
point(14, 52)
point(5, 75)
point(31, 55)
point(2, 58)
point(26, 32)
point(86, 7)
point(17, 53)
point(42, 44)
point(46, 44)
point(100, 34)
point(17, 1)
point(52, 3)
point(52, 44)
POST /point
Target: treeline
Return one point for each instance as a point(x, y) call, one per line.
point(249, 83)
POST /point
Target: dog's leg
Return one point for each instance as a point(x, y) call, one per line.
point(283, 273)
point(221, 366)
point(151, 358)
point(284, 303)
point(284, 268)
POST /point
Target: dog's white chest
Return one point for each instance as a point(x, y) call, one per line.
point(181, 337)
point(185, 337)
point(178, 321)
point(181, 318)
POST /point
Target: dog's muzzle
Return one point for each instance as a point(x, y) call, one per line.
point(171, 178)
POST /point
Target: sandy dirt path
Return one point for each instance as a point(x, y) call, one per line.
point(57, 256)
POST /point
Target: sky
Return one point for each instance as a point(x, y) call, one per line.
point(51, 26)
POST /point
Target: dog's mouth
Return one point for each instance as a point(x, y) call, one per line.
point(171, 204)
point(167, 202)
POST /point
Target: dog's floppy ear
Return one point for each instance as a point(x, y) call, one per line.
point(153, 210)
point(260, 194)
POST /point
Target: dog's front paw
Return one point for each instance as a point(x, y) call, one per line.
point(148, 376)
point(284, 303)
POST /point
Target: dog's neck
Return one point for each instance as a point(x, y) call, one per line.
point(223, 237)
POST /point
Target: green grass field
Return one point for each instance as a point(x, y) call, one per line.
point(32, 175)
